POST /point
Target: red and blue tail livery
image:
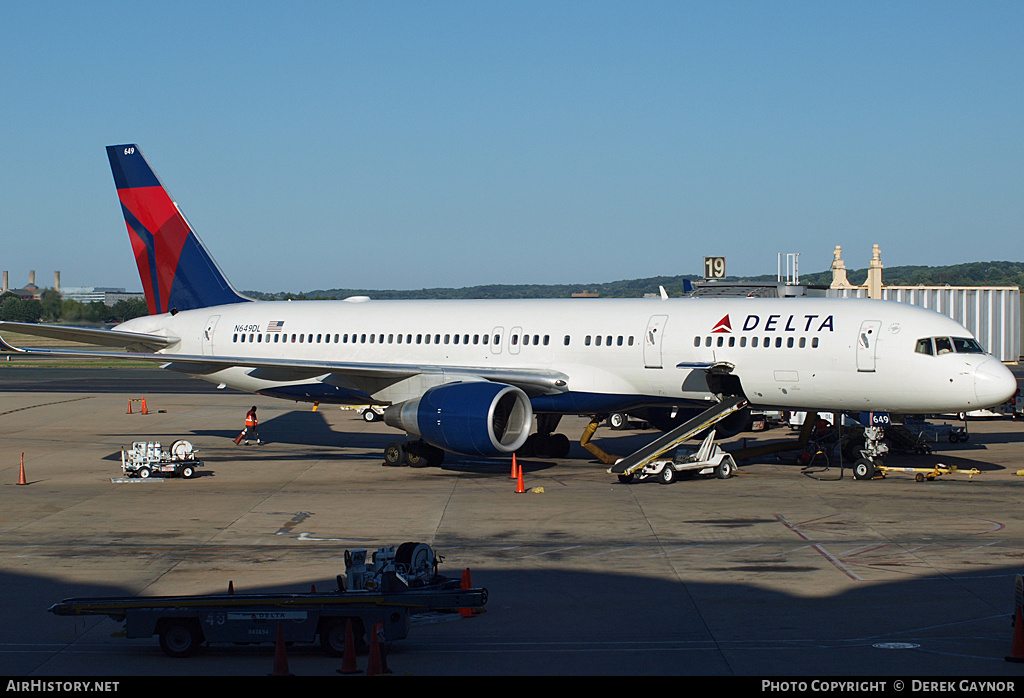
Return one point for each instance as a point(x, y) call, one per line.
point(176, 270)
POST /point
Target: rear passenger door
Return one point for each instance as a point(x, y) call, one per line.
point(652, 340)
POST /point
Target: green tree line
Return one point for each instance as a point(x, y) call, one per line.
point(52, 308)
point(968, 274)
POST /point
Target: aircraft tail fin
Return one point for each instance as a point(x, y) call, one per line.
point(177, 271)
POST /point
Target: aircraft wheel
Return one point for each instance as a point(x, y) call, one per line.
point(542, 445)
point(863, 469)
point(667, 475)
point(414, 458)
point(394, 454)
point(560, 445)
point(434, 455)
point(618, 421)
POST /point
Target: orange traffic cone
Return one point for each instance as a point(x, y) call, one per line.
point(467, 583)
point(21, 472)
point(520, 488)
point(515, 468)
point(280, 659)
point(145, 410)
point(374, 666)
point(129, 406)
point(1017, 649)
point(348, 659)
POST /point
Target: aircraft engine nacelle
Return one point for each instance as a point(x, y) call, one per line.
point(668, 418)
point(473, 418)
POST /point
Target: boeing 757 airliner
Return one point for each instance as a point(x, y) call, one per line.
point(468, 376)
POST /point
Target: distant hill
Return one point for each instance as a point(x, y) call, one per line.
point(969, 274)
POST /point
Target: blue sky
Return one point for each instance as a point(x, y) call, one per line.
point(421, 144)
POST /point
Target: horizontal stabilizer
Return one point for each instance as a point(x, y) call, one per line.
point(107, 338)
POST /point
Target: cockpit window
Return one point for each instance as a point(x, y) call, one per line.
point(966, 345)
point(937, 346)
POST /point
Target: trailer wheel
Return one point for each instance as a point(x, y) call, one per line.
point(187, 472)
point(143, 473)
point(180, 637)
point(332, 635)
point(667, 475)
point(725, 469)
point(863, 469)
point(626, 479)
point(618, 421)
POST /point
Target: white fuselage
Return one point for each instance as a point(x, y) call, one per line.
point(798, 353)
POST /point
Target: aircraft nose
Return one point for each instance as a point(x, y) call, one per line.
point(993, 383)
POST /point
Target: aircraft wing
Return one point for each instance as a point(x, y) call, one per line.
point(107, 338)
point(531, 381)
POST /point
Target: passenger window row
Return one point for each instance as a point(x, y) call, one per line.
point(788, 342)
point(391, 338)
point(364, 338)
point(607, 340)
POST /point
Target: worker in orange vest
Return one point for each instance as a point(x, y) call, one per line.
point(252, 426)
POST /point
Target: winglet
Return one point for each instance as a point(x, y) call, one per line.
point(5, 346)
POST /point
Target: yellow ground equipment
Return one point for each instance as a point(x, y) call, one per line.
point(922, 474)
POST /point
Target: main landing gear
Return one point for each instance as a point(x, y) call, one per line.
point(415, 454)
point(545, 444)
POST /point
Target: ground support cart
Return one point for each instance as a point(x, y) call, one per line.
point(147, 458)
point(709, 459)
point(396, 585)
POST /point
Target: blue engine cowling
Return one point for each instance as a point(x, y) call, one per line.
point(472, 418)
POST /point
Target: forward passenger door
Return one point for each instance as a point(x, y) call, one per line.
point(866, 341)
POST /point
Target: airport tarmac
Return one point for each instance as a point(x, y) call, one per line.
point(769, 573)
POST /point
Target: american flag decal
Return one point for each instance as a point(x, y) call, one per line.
point(275, 326)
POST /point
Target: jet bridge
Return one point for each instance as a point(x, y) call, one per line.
point(671, 439)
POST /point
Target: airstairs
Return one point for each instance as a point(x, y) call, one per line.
point(671, 439)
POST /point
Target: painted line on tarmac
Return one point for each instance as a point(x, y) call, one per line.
point(833, 560)
point(45, 404)
point(550, 552)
